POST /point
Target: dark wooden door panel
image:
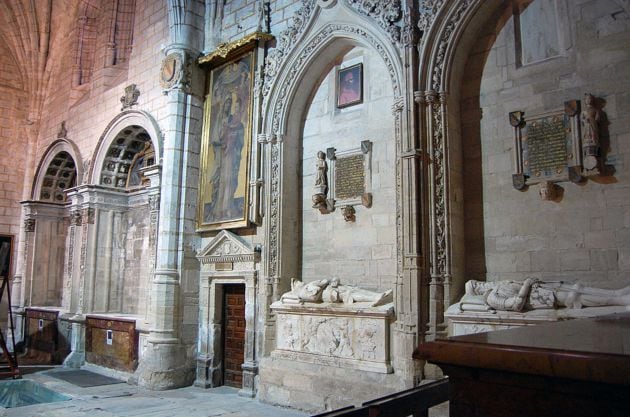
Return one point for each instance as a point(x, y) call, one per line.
point(234, 334)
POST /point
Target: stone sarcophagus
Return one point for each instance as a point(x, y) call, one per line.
point(352, 335)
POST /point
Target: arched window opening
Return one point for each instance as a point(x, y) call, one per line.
point(60, 175)
point(130, 152)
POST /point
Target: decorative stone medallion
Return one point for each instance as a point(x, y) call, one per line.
point(171, 71)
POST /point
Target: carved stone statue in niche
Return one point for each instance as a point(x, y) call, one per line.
point(534, 294)
point(333, 292)
point(590, 118)
point(320, 187)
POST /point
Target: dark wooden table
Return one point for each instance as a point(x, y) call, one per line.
point(573, 368)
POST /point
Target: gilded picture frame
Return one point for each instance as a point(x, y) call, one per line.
point(350, 86)
point(225, 145)
point(6, 255)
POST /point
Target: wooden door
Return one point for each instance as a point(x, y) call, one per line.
point(233, 334)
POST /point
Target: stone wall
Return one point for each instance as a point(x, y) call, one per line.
point(360, 252)
point(585, 235)
point(13, 145)
point(242, 16)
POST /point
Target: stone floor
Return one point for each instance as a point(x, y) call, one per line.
point(124, 400)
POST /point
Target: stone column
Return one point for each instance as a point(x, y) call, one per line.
point(409, 296)
point(165, 363)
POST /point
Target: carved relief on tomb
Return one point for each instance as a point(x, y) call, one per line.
point(327, 335)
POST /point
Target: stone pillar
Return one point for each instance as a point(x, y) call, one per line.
point(409, 295)
point(166, 363)
point(19, 286)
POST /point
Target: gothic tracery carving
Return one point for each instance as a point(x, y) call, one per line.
point(387, 14)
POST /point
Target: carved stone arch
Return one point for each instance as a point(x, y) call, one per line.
point(316, 47)
point(443, 45)
point(61, 152)
point(131, 118)
point(322, 34)
point(443, 54)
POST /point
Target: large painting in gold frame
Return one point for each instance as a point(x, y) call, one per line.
point(225, 145)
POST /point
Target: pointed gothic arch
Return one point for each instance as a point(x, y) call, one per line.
point(328, 29)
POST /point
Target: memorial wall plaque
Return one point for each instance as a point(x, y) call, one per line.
point(350, 177)
point(547, 146)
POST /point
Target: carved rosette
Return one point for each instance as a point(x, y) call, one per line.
point(88, 215)
point(386, 13)
point(75, 218)
point(154, 202)
point(29, 225)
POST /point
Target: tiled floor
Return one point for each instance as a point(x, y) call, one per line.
point(124, 400)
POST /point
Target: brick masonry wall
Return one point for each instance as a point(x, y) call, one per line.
point(586, 235)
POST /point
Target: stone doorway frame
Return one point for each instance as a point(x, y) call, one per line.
point(226, 260)
point(227, 290)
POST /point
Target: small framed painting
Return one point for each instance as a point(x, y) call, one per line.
point(350, 86)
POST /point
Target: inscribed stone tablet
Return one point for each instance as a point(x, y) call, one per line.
point(350, 177)
point(545, 147)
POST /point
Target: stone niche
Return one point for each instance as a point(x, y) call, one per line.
point(351, 337)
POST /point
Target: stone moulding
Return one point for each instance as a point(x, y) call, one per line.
point(226, 50)
point(323, 334)
point(227, 247)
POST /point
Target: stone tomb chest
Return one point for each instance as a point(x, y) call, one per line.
point(350, 336)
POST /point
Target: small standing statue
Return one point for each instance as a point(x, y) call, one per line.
point(320, 188)
point(590, 118)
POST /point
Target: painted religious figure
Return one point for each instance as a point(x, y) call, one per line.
point(350, 86)
point(226, 139)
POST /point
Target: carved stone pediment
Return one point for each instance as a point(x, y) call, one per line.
point(227, 247)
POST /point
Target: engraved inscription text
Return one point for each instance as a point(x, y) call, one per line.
point(350, 177)
point(546, 147)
